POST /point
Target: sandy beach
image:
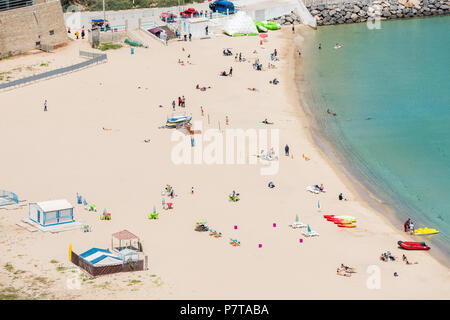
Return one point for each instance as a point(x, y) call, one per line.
point(55, 154)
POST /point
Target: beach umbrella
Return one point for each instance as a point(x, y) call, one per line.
point(201, 221)
point(309, 229)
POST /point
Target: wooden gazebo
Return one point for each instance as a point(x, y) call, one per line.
point(126, 240)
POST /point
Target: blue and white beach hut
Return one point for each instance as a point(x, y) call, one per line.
point(50, 213)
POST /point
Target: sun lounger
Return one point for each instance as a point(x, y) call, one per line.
point(297, 224)
point(310, 233)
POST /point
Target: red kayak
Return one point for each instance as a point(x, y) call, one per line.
point(413, 245)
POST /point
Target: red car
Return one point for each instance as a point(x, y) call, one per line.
point(168, 17)
point(189, 13)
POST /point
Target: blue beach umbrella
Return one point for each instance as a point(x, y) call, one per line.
point(318, 204)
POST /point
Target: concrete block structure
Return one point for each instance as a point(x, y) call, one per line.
point(28, 24)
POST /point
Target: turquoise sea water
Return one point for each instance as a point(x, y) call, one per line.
point(390, 88)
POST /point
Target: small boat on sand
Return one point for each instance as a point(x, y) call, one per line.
point(180, 120)
point(413, 245)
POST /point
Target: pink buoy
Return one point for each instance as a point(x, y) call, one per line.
point(260, 245)
point(301, 240)
point(235, 227)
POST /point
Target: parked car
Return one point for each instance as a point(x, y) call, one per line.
point(168, 17)
point(189, 13)
point(222, 6)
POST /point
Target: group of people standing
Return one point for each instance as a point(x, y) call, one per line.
point(181, 102)
point(77, 34)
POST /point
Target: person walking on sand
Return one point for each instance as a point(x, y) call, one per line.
point(231, 71)
point(192, 190)
point(201, 109)
point(45, 105)
point(293, 28)
point(179, 101)
point(190, 36)
point(173, 105)
point(320, 46)
point(286, 150)
point(183, 102)
point(76, 34)
point(206, 30)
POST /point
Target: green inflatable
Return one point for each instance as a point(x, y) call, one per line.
point(133, 43)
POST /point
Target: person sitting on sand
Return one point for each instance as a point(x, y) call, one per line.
point(383, 257)
point(274, 81)
point(389, 256)
point(197, 87)
point(147, 140)
point(340, 272)
point(347, 269)
point(106, 129)
point(252, 89)
point(224, 73)
point(271, 185)
point(265, 121)
point(341, 197)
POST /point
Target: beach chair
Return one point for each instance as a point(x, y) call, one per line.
point(312, 189)
point(310, 233)
point(297, 223)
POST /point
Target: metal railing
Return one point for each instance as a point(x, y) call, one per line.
point(96, 58)
point(14, 4)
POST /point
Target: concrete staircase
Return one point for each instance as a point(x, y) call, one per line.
point(141, 36)
point(170, 32)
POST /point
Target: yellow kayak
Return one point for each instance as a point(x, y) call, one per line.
point(425, 231)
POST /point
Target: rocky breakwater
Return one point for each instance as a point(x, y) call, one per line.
point(361, 11)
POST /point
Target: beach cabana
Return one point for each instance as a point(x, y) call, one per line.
point(124, 240)
point(50, 213)
point(101, 257)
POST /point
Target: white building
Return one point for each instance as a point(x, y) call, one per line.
point(50, 213)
